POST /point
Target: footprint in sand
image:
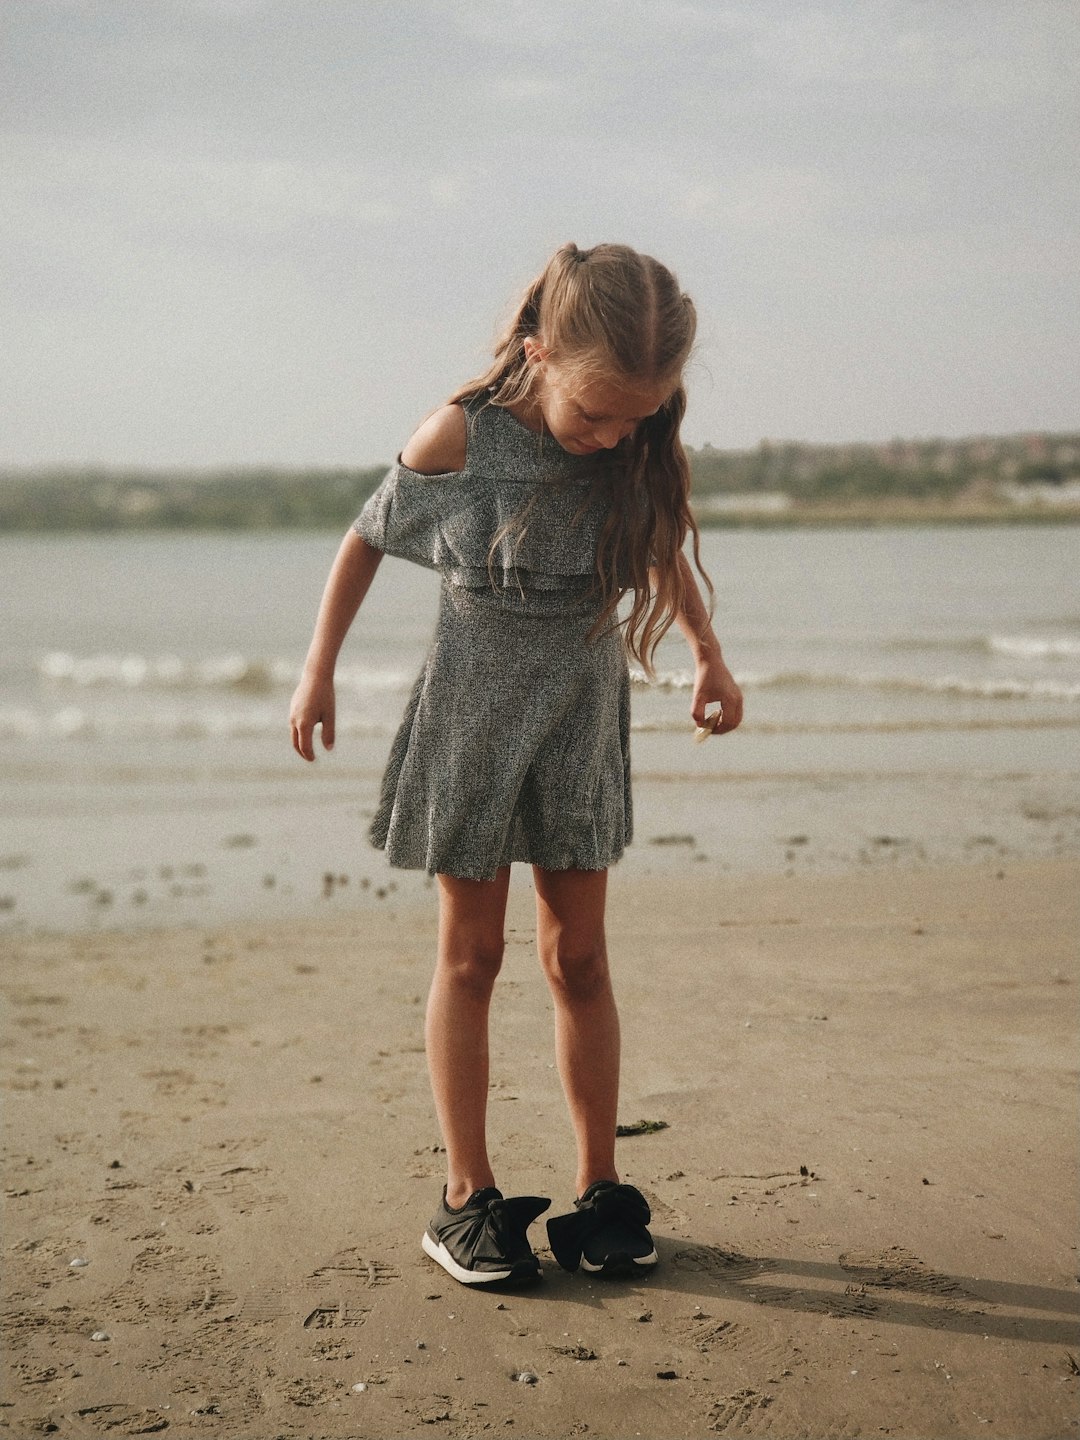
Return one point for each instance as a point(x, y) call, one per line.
point(898, 1269)
point(727, 1266)
point(737, 1409)
point(336, 1317)
point(350, 1269)
point(123, 1419)
point(167, 1283)
point(705, 1333)
point(853, 1303)
point(357, 1268)
point(262, 1307)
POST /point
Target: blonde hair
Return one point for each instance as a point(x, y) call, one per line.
point(611, 312)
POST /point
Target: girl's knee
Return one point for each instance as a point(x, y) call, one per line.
point(472, 964)
point(577, 971)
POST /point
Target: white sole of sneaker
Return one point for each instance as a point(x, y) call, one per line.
point(643, 1261)
point(439, 1253)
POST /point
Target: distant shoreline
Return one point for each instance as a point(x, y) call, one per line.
point(888, 513)
point(883, 514)
point(1028, 479)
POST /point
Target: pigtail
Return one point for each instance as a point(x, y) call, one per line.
point(646, 528)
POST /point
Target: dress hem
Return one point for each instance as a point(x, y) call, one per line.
point(480, 873)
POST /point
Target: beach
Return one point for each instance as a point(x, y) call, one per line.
point(221, 1152)
point(844, 944)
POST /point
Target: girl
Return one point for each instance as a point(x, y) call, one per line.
point(544, 492)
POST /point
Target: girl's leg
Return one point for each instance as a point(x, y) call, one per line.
point(573, 952)
point(471, 918)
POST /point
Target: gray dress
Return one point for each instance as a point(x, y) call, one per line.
point(515, 745)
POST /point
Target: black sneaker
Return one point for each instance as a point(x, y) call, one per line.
point(608, 1234)
point(485, 1240)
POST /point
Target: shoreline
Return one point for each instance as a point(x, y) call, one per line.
point(889, 514)
point(231, 1125)
point(802, 515)
point(292, 847)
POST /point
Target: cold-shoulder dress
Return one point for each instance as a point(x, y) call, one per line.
point(515, 744)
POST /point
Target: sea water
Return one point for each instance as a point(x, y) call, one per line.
point(910, 694)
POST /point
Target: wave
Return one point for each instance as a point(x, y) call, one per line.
point(239, 673)
point(163, 672)
point(988, 688)
point(1035, 647)
point(252, 677)
point(867, 727)
point(1019, 647)
point(76, 723)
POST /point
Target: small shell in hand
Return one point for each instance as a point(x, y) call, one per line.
point(711, 722)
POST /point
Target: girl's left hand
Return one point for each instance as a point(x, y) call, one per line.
point(714, 684)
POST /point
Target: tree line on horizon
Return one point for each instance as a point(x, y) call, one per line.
point(271, 498)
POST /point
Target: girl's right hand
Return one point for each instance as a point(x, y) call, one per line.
point(312, 704)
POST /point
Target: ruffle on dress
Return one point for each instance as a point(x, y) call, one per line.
point(545, 535)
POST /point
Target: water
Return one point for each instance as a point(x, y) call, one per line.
point(908, 692)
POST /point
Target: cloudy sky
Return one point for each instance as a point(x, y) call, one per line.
point(245, 231)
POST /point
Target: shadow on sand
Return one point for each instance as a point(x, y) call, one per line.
point(892, 1287)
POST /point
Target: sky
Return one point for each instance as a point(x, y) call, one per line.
point(241, 232)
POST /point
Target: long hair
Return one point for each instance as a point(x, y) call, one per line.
point(611, 312)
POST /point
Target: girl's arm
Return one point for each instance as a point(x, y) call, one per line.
point(439, 445)
point(713, 681)
point(313, 702)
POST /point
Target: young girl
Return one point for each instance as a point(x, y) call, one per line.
point(544, 492)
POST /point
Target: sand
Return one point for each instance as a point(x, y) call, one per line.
point(220, 1154)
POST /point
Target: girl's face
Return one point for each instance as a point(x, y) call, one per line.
point(586, 415)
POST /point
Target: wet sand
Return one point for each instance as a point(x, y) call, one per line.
point(124, 847)
point(864, 1197)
